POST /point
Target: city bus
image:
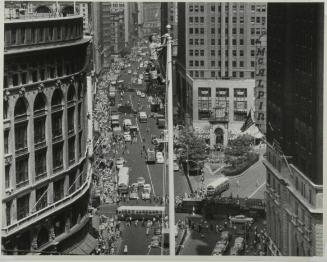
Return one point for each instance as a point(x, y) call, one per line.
point(218, 186)
point(123, 180)
point(140, 212)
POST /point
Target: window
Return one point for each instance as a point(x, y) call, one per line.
point(8, 212)
point(196, 41)
point(71, 112)
point(201, 41)
point(204, 102)
point(234, 74)
point(213, 53)
point(191, 62)
point(79, 110)
point(40, 163)
point(212, 41)
point(20, 136)
point(202, 31)
point(201, 8)
point(15, 79)
point(213, 63)
point(23, 76)
point(191, 52)
point(71, 149)
point(201, 52)
point(34, 75)
point(57, 124)
point(213, 8)
point(191, 30)
point(7, 176)
point(196, 19)
point(196, 73)
point(241, 53)
point(50, 33)
point(21, 172)
point(234, 52)
point(241, 19)
point(41, 198)
point(201, 63)
point(213, 74)
point(241, 74)
point(196, 8)
point(196, 63)
point(252, 31)
point(201, 74)
point(196, 30)
point(39, 130)
point(23, 207)
point(252, 63)
point(22, 35)
point(202, 19)
point(57, 156)
point(212, 19)
point(13, 36)
point(196, 52)
point(58, 189)
point(234, 31)
point(234, 19)
point(190, 41)
point(241, 63)
point(258, 20)
point(234, 41)
point(42, 74)
point(6, 137)
point(72, 185)
point(241, 30)
point(191, 19)
point(252, 42)
point(234, 63)
point(241, 41)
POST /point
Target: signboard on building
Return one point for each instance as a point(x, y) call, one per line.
point(260, 90)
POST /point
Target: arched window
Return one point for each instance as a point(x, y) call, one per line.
point(20, 107)
point(80, 90)
point(42, 9)
point(56, 98)
point(56, 107)
point(39, 102)
point(71, 93)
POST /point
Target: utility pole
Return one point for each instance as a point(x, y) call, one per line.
point(170, 145)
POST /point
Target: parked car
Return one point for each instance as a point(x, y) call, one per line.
point(127, 136)
point(134, 194)
point(146, 194)
point(160, 158)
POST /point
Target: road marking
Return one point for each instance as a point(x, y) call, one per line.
point(147, 166)
point(255, 191)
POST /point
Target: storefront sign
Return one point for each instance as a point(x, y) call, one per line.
point(204, 91)
point(260, 90)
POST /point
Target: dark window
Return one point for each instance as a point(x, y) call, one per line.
point(201, 19)
point(23, 207)
point(241, 74)
point(50, 33)
point(22, 35)
point(7, 176)
point(34, 76)
point(6, 137)
point(15, 79)
point(213, 63)
point(71, 112)
point(212, 41)
point(212, 30)
point(213, 74)
point(80, 143)
point(213, 8)
point(57, 124)
point(213, 53)
point(71, 149)
point(241, 64)
point(234, 30)
point(234, 63)
point(41, 198)
point(21, 172)
point(42, 74)
point(252, 41)
point(57, 156)
point(13, 36)
point(241, 42)
point(20, 136)
point(72, 184)
point(23, 78)
point(58, 189)
point(39, 130)
point(41, 34)
point(241, 53)
point(241, 30)
point(191, 30)
point(40, 162)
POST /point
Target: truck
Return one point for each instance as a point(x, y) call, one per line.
point(151, 156)
point(123, 180)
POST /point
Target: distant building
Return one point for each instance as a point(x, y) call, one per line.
point(149, 18)
point(46, 175)
point(294, 162)
point(216, 51)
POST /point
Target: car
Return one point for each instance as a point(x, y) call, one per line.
point(241, 219)
point(134, 194)
point(127, 137)
point(120, 162)
point(143, 95)
point(140, 181)
point(146, 194)
point(160, 158)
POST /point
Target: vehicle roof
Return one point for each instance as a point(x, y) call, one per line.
point(219, 181)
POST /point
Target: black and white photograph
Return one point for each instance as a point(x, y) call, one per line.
point(162, 129)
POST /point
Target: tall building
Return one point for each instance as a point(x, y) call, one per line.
point(216, 65)
point(118, 23)
point(295, 128)
point(46, 181)
point(149, 18)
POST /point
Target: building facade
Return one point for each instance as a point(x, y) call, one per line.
point(46, 182)
point(217, 41)
point(295, 129)
point(149, 20)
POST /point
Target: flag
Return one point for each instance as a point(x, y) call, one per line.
point(248, 122)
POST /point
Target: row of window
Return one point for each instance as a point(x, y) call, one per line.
point(200, 41)
point(201, 52)
point(35, 35)
point(214, 7)
point(76, 179)
point(218, 74)
point(201, 20)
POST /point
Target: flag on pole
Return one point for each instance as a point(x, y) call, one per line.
point(248, 122)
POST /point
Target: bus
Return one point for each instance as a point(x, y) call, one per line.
point(143, 118)
point(218, 186)
point(123, 180)
point(140, 212)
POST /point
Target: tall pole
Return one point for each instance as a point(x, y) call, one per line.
point(170, 146)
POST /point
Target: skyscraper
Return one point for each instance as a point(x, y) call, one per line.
point(216, 65)
point(47, 178)
point(295, 128)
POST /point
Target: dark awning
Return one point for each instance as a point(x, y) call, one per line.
point(85, 247)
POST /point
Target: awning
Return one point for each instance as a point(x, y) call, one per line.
point(85, 247)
